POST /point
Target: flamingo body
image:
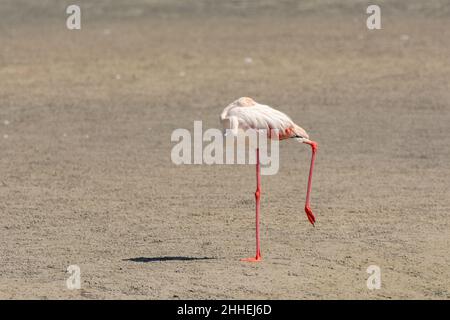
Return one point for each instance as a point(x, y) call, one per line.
point(244, 113)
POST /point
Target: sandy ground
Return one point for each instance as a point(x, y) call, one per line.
point(85, 171)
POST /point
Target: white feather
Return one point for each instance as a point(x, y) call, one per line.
point(245, 114)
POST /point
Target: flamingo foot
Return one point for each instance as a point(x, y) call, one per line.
point(253, 259)
point(310, 215)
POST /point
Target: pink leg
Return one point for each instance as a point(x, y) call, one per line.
point(308, 210)
point(257, 198)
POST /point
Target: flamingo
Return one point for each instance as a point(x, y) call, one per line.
point(244, 113)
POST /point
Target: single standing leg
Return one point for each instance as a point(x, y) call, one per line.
point(257, 198)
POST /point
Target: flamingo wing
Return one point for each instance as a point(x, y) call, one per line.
point(260, 116)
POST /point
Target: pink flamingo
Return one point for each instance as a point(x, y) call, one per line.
point(244, 114)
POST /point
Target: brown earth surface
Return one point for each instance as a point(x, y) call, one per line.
point(86, 176)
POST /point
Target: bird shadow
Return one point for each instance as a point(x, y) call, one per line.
point(167, 258)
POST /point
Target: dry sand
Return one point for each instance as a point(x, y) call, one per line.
point(85, 171)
